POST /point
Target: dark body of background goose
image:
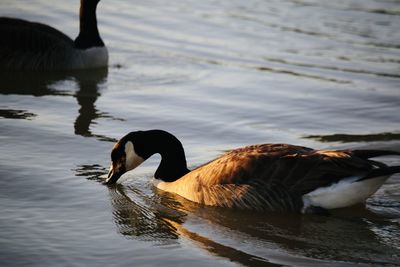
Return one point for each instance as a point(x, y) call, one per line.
point(26, 45)
point(270, 177)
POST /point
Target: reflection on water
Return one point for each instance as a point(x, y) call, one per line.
point(347, 236)
point(345, 138)
point(33, 83)
point(161, 220)
point(88, 83)
point(219, 75)
point(16, 114)
point(91, 172)
point(220, 250)
point(333, 68)
point(137, 215)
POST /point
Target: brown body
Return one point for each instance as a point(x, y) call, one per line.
point(270, 177)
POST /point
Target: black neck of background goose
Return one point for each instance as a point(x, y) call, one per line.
point(173, 161)
point(88, 33)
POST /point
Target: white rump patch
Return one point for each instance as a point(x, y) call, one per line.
point(132, 159)
point(346, 192)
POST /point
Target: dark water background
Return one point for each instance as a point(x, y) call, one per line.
point(217, 74)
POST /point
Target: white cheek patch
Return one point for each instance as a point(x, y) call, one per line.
point(132, 159)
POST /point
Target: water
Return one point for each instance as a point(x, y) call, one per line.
point(219, 75)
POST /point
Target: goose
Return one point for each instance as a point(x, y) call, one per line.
point(263, 177)
point(27, 45)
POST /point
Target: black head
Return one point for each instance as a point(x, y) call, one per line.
point(124, 158)
point(136, 147)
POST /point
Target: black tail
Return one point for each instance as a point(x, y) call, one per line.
point(382, 172)
point(366, 154)
point(380, 169)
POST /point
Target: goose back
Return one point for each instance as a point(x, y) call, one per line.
point(28, 45)
point(267, 177)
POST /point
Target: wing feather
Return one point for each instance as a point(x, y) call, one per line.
point(299, 169)
point(31, 45)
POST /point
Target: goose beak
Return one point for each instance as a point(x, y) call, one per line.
point(112, 176)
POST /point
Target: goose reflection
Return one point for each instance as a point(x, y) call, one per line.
point(34, 83)
point(347, 138)
point(88, 84)
point(161, 220)
point(137, 215)
point(272, 239)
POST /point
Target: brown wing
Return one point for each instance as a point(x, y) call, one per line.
point(298, 169)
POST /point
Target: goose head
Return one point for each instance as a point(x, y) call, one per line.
point(136, 147)
point(124, 157)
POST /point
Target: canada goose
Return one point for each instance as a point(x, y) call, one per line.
point(26, 45)
point(270, 177)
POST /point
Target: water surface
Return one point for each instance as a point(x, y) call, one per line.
point(219, 75)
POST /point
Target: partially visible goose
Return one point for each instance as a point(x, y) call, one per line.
point(269, 177)
point(26, 45)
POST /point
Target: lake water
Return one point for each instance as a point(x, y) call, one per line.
point(219, 75)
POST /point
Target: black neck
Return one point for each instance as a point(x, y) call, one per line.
point(173, 161)
point(88, 33)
